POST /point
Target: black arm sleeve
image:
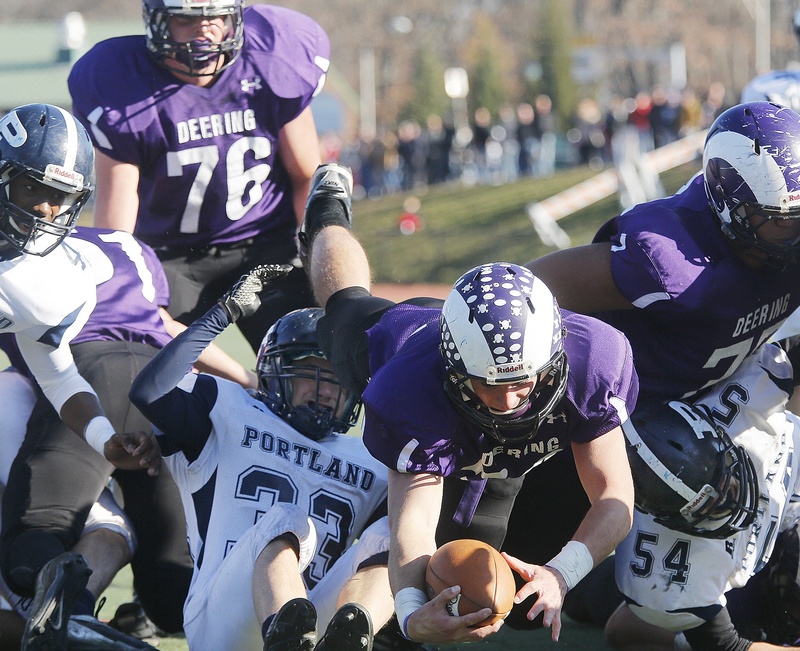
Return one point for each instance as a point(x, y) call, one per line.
point(176, 359)
point(182, 417)
point(717, 634)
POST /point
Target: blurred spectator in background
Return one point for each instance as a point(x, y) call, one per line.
point(545, 128)
point(639, 118)
point(665, 112)
point(438, 141)
point(411, 154)
point(526, 137)
point(714, 104)
point(691, 117)
point(587, 133)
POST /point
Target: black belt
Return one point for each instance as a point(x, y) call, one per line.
point(211, 249)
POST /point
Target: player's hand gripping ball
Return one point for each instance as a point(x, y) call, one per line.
point(485, 578)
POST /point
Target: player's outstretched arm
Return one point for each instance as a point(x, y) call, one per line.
point(414, 501)
point(129, 451)
point(604, 471)
point(169, 366)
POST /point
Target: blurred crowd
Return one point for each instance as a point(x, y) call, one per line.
point(522, 140)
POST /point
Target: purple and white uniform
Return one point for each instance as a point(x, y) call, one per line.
point(209, 169)
point(699, 310)
point(418, 430)
point(130, 287)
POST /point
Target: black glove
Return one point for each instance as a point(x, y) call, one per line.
point(242, 299)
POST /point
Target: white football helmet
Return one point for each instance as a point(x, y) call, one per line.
point(501, 325)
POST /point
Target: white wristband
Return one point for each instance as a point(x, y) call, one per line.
point(406, 601)
point(573, 562)
point(97, 432)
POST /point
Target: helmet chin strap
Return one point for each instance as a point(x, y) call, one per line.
point(468, 394)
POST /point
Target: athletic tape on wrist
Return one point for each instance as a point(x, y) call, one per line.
point(573, 562)
point(406, 602)
point(97, 432)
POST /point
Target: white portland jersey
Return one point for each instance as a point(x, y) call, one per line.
point(678, 581)
point(45, 301)
point(251, 460)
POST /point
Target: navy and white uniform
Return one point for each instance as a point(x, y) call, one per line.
point(57, 477)
point(779, 86)
point(212, 186)
point(246, 477)
point(45, 301)
point(678, 581)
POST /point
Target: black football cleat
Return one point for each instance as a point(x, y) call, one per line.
point(350, 629)
point(58, 585)
point(294, 627)
point(86, 633)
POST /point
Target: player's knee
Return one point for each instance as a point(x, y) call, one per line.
point(23, 557)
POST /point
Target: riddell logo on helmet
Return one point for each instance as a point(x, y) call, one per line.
point(789, 200)
point(511, 368)
point(63, 175)
point(698, 501)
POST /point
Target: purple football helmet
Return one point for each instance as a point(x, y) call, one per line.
point(501, 325)
point(751, 169)
point(195, 55)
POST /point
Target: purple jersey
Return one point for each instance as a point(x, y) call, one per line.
point(209, 169)
point(131, 287)
point(699, 310)
point(411, 426)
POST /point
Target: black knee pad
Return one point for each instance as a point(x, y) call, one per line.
point(24, 556)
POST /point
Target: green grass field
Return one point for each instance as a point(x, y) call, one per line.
point(573, 636)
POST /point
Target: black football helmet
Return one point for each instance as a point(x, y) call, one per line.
point(687, 472)
point(47, 144)
point(796, 25)
point(289, 341)
point(195, 55)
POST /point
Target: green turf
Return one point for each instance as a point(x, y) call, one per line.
point(573, 636)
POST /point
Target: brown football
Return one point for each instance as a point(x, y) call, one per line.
point(485, 578)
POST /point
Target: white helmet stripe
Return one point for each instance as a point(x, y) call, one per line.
point(71, 149)
point(654, 463)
